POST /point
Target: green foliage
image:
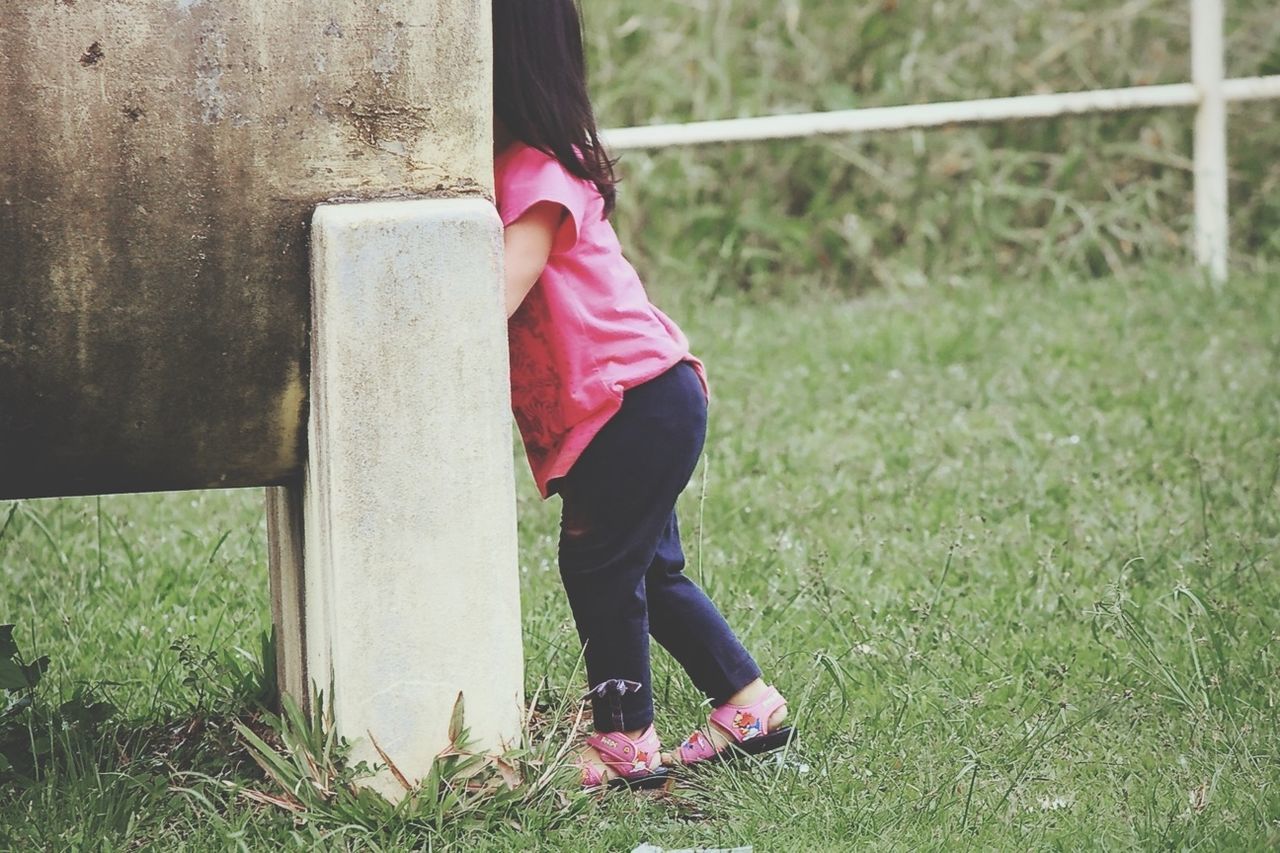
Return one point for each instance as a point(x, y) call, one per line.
point(310, 766)
point(1082, 196)
point(15, 675)
point(31, 730)
point(526, 789)
point(218, 680)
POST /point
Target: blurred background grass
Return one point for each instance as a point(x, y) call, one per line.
point(1091, 195)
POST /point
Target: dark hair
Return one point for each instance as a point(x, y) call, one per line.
point(540, 87)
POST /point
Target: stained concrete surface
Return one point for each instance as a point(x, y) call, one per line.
point(159, 162)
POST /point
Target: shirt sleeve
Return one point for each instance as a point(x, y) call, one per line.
point(533, 177)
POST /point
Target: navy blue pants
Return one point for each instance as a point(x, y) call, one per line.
point(621, 561)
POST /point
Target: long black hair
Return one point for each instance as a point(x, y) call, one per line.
point(540, 87)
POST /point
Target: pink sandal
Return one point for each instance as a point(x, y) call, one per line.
point(638, 762)
point(746, 725)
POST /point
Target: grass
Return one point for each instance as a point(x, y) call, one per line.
point(1010, 550)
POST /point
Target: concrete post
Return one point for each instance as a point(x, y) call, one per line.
point(394, 562)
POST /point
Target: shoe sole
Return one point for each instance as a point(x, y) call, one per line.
point(756, 746)
point(641, 783)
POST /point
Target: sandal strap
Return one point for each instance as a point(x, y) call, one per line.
point(698, 747)
point(740, 722)
point(744, 722)
point(626, 757)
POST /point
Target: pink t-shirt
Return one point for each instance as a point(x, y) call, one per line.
point(587, 331)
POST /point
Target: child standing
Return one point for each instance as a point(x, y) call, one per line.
point(612, 409)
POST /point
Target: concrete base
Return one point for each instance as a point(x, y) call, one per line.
point(405, 522)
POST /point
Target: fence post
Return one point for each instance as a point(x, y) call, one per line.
point(1207, 72)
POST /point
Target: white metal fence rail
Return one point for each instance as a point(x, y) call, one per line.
point(1208, 91)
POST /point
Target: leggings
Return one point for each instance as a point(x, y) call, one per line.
point(621, 560)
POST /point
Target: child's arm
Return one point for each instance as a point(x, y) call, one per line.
point(527, 245)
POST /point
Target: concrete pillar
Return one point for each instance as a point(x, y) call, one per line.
point(394, 561)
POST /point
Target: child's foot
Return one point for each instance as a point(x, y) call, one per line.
point(589, 759)
point(622, 759)
point(751, 721)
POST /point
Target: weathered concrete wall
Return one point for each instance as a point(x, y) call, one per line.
point(159, 161)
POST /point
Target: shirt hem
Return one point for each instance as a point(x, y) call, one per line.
point(581, 433)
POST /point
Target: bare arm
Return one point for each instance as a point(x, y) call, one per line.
point(527, 245)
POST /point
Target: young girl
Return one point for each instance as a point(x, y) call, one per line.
point(612, 409)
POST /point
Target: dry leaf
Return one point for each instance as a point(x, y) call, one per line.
point(509, 774)
point(286, 803)
point(1200, 797)
point(391, 765)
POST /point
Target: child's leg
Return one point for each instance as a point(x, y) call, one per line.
point(603, 574)
point(618, 499)
point(683, 619)
point(689, 626)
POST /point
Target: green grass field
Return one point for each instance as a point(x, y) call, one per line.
point(991, 485)
point(1009, 548)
